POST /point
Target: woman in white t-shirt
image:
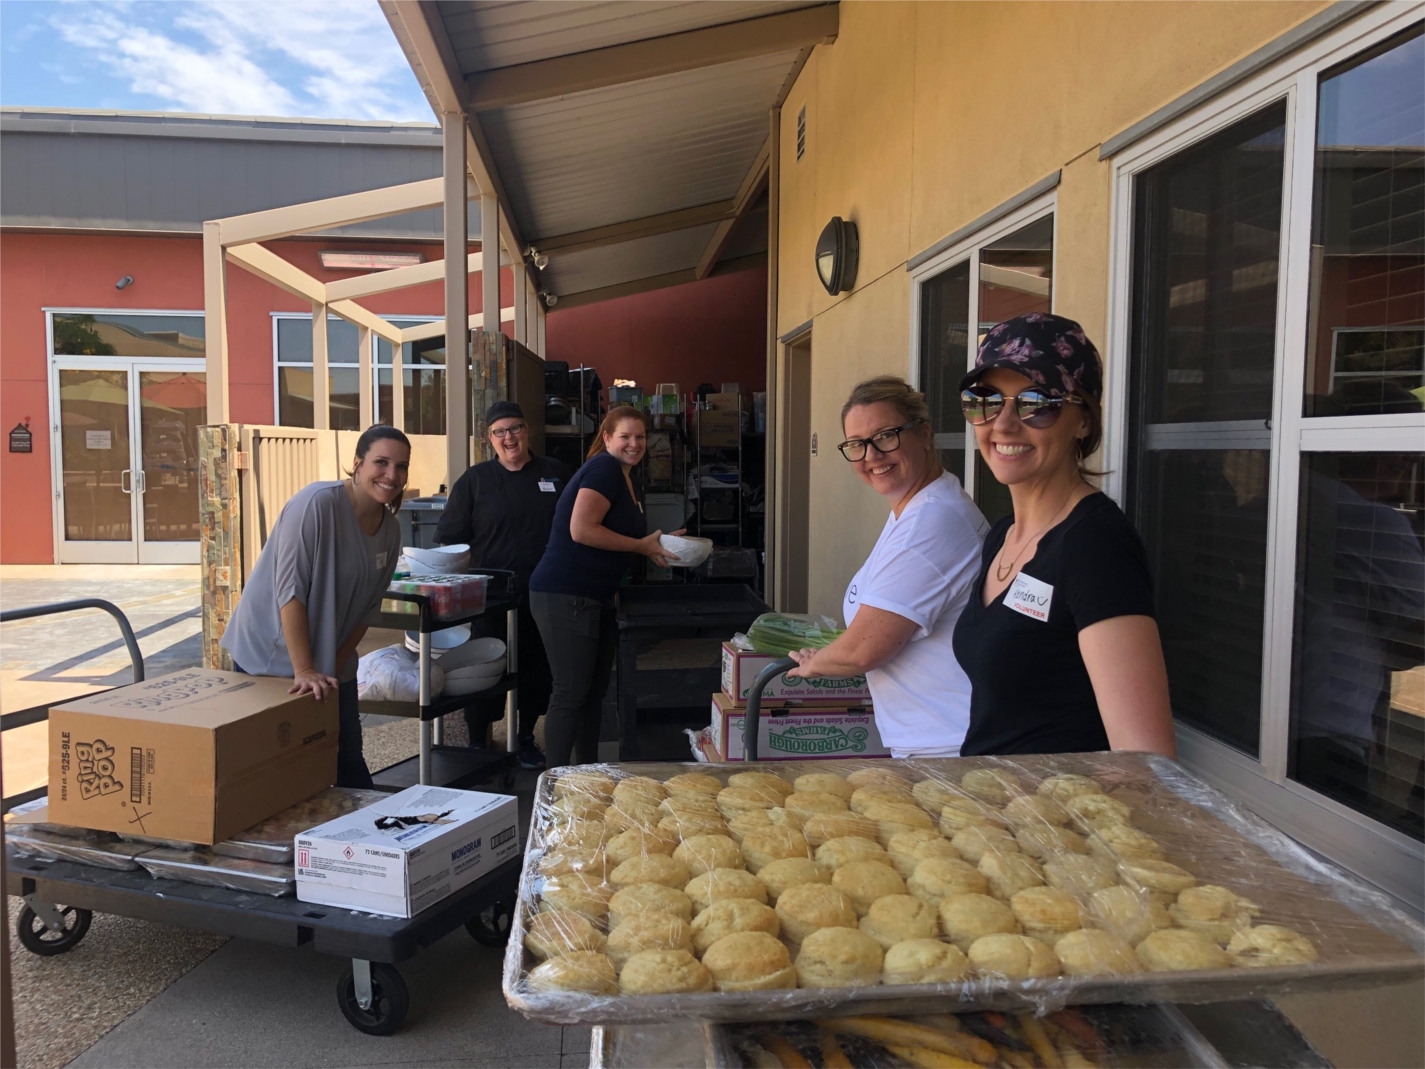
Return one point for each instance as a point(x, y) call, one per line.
point(902, 605)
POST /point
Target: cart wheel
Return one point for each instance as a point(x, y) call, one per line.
point(390, 1001)
point(491, 926)
point(38, 939)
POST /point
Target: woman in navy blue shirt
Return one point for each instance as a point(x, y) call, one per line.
point(598, 526)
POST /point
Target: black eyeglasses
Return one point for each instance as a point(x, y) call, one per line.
point(887, 441)
point(509, 432)
point(1034, 407)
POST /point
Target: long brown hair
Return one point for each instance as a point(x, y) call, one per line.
point(616, 415)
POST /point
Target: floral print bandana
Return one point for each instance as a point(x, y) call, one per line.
point(1050, 351)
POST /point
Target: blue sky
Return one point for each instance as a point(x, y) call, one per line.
point(333, 59)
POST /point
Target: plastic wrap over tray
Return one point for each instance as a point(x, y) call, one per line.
point(1165, 890)
point(92, 848)
point(213, 870)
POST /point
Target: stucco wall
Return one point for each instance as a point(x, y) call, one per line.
point(921, 117)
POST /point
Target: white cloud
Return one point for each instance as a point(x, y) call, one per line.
point(332, 58)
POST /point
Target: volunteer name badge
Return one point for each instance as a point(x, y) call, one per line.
point(1030, 597)
point(547, 485)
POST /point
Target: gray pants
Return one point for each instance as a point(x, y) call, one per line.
point(580, 637)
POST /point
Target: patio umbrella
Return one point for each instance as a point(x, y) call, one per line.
point(95, 390)
point(179, 392)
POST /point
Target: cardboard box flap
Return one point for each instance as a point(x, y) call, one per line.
point(195, 697)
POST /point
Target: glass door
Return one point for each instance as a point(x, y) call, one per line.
point(171, 406)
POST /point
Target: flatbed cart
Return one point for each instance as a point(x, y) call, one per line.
point(61, 898)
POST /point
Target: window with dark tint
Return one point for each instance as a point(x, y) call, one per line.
point(294, 373)
point(422, 382)
point(1366, 340)
point(944, 357)
point(1358, 694)
point(120, 334)
point(1206, 250)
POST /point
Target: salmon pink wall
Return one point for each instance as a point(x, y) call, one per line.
point(39, 271)
point(714, 330)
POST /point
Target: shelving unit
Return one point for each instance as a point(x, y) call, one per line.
point(726, 492)
point(569, 442)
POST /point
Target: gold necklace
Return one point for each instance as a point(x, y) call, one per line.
point(1001, 576)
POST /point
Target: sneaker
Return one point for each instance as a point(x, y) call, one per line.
point(530, 755)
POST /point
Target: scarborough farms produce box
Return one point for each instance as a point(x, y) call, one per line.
point(825, 730)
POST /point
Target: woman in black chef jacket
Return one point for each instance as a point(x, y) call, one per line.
point(1059, 639)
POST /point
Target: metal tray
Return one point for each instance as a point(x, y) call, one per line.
point(1363, 940)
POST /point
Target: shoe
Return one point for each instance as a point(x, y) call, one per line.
point(530, 755)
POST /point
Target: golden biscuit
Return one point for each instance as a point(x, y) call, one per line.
point(1152, 875)
point(777, 876)
point(567, 859)
point(1010, 873)
point(553, 935)
point(924, 961)
point(593, 784)
point(650, 868)
point(577, 892)
point(993, 785)
point(761, 781)
point(632, 813)
point(692, 783)
point(837, 852)
point(938, 878)
point(975, 842)
point(1128, 914)
point(733, 802)
point(1270, 944)
point(827, 826)
point(638, 842)
point(739, 826)
point(865, 797)
point(839, 957)
point(933, 795)
point(1046, 842)
point(649, 898)
point(892, 818)
point(810, 906)
point(1046, 913)
point(663, 972)
point(1091, 952)
point(1092, 811)
point(1213, 911)
point(809, 803)
point(1067, 785)
point(909, 848)
point(706, 889)
point(1177, 950)
point(766, 845)
point(865, 881)
point(965, 918)
point(749, 961)
point(1017, 957)
point(578, 807)
point(728, 915)
point(648, 931)
point(1121, 842)
point(1031, 810)
point(968, 813)
point(585, 834)
point(1080, 874)
point(877, 776)
point(896, 918)
point(643, 789)
point(825, 783)
point(691, 804)
point(685, 825)
point(782, 817)
point(703, 853)
point(587, 971)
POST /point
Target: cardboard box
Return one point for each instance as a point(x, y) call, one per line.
point(406, 852)
point(724, 402)
point(716, 430)
point(740, 668)
point(805, 733)
point(197, 755)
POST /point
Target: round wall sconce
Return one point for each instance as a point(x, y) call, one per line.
point(837, 252)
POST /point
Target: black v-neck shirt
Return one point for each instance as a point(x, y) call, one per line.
point(1031, 692)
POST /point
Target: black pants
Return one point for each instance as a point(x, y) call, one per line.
point(351, 770)
point(536, 682)
point(581, 637)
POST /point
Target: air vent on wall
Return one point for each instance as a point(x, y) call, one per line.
point(802, 132)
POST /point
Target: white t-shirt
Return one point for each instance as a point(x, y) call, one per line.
point(923, 568)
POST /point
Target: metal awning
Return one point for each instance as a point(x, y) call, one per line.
point(627, 142)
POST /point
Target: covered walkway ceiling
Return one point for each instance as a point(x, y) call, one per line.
point(626, 141)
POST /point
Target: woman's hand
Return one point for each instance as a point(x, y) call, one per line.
point(652, 548)
point(806, 666)
point(310, 681)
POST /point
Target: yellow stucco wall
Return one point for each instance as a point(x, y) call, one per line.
point(922, 116)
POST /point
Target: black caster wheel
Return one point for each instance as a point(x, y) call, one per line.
point(390, 1001)
point(491, 926)
point(38, 939)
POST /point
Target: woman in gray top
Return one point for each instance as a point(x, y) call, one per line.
point(318, 582)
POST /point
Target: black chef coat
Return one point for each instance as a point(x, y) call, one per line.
point(504, 515)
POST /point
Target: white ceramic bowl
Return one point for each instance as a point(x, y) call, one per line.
point(447, 559)
point(493, 670)
point(478, 651)
point(462, 685)
point(445, 639)
point(690, 551)
point(415, 567)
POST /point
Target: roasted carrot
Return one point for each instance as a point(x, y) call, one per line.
point(889, 1030)
point(788, 1055)
point(832, 1056)
point(925, 1058)
point(1034, 1032)
point(1083, 1033)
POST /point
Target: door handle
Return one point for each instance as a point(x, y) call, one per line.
point(141, 481)
point(126, 473)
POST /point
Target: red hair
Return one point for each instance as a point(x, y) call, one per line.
point(616, 415)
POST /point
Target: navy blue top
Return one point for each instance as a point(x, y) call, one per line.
point(568, 567)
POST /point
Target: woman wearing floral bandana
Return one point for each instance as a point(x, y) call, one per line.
point(1059, 641)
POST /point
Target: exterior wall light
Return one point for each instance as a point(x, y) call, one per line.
point(838, 251)
point(124, 283)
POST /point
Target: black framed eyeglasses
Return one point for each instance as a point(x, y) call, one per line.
point(886, 441)
point(1034, 407)
point(509, 432)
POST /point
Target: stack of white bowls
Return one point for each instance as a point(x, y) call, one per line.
point(474, 666)
point(440, 560)
point(690, 551)
point(442, 641)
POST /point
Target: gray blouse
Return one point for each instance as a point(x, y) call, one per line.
point(318, 554)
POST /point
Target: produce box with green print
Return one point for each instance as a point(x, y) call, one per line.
point(805, 732)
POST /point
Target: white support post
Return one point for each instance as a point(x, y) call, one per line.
point(457, 337)
point(539, 339)
point(215, 318)
point(398, 387)
point(321, 377)
point(490, 260)
point(521, 281)
point(365, 395)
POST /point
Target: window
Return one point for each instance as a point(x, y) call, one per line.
point(294, 372)
point(128, 334)
point(422, 381)
point(1014, 267)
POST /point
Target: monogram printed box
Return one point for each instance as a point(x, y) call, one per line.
point(807, 732)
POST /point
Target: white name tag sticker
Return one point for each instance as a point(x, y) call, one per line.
point(1030, 597)
point(381, 560)
point(547, 485)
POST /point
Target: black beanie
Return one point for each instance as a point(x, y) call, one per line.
point(503, 410)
